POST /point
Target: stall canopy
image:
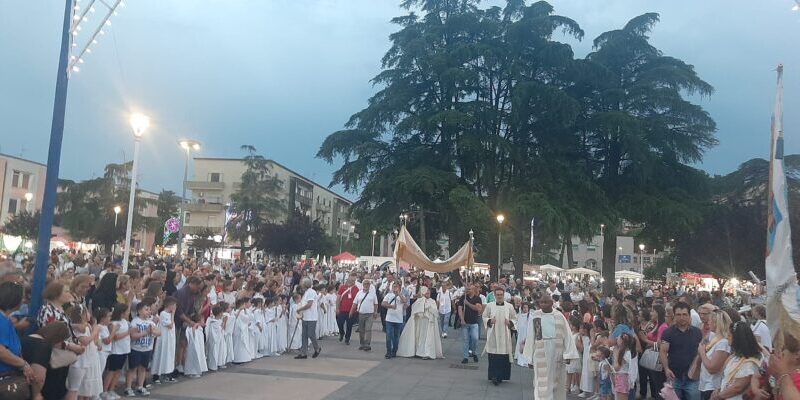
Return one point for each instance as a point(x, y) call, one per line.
point(346, 256)
point(582, 271)
point(550, 268)
point(628, 275)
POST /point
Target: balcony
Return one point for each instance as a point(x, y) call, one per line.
point(204, 208)
point(204, 185)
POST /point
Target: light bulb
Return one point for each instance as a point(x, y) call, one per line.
point(94, 41)
point(102, 32)
point(75, 69)
point(74, 33)
point(91, 9)
point(88, 50)
point(108, 22)
point(80, 60)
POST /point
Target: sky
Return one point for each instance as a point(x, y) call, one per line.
point(281, 75)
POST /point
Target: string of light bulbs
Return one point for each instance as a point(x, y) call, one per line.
point(79, 17)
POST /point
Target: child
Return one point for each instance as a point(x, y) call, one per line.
point(242, 351)
point(333, 328)
point(215, 338)
point(522, 333)
point(85, 380)
point(295, 323)
point(228, 323)
point(164, 353)
point(587, 372)
point(574, 368)
point(270, 328)
point(143, 331)
point(257, 327)
point(321, 312)
point(195, 363)
point(282, 326)
point(120, 348)
point(601, 355)
point(622, 364)
point(103, 318)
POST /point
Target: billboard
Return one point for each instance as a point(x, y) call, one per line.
point(624, 259)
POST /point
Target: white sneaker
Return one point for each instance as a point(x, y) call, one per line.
point(112, 395)
point(142, 392)
point(583, 395)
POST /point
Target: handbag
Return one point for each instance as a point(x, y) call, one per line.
point(60, 358)
point(14, 387)
point(650, 359)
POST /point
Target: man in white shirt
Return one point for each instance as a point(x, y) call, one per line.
point(366, 306)
point(760, 328)
point(444, 300)
point(395, 303)
point(309, 314)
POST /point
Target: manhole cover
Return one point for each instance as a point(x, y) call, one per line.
point(463, 366)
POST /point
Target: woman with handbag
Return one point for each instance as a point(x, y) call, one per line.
point(650, 362)
point(17, 378)
point(55, 295)
point(713, 352)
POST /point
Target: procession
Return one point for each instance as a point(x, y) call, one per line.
point(403, 199)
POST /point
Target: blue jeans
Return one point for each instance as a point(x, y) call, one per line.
point(444, 322)
point(470, 335)
point(686, 389)
point(393, 330)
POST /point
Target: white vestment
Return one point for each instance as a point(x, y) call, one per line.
point(295, 331)
point(498, 336)
point(522, 333)
point(550, 344)
point(164, 352)
point(229, 322)
point(215, 343)
point(282, 328)
point(241, 338)
point(269, 339)
point(421, 336)
point(195, 352)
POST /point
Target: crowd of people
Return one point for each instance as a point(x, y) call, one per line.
point(102, 332)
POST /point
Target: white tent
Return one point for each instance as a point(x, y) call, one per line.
point(628, 275)
point(582, 271)
point(550, 268)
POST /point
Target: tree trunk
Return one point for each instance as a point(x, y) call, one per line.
point(570, 255)
point(518, 252)
point(609, 261)
point(561, 256)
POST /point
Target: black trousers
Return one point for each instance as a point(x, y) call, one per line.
point(656, 380)
point(345, 324)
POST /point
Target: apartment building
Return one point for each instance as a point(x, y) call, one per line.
point(590, 254)
point(21, 186)
point(216, 179)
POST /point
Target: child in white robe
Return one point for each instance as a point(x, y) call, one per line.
point(333, 328)
point(215, 339)
point(522, 332)
point(270, 331)
point(295, 325)
point(321, 312)
point(195, 363)
point(228, 323)
point(282, 325)
point(164, 352)
point(256, 326)
point(242, 350)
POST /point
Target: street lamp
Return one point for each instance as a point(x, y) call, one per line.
point(641, 258)
point(374, 232)
point(117, 210)
point(139, 124)
point(530, 256)
point(343, 226)
point(188, 145)
point(500, 219)
point(404, 218)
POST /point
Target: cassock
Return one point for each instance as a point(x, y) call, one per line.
point(549, 344)
point(420, 335)
point(499, 344)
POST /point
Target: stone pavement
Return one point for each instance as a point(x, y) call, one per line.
point(345, 373)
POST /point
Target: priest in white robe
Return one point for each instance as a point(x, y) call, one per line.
point(550, 345)
point(499, 318)
point(421, 336)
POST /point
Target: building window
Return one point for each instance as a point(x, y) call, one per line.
point(12, 206)
point(574, 264)
point(647, 259)
point(591, 248)
point(215, 177)
point(187, 218)
point(20, 180)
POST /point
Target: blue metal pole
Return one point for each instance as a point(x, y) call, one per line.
point(53, 162)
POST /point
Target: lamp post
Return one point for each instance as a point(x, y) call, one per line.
point(500, 219)
point(530, 256)
point(641, 258)
point(117, 210)
point(374, 232)
point(342, 227)
point(404, 218)
point(188, 145)
point(139, 123)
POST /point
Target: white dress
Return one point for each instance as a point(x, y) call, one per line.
point(587, 378)
point(230, 322)
point(333, 328)
point(215, 343)
point(270, 333)
point(242, 352)
point(87, 369)
point(164, 352)
point(295, 329)
point(255, 333)
point(522, 333)
point(320, 317)
point(195, 352)
point(281, 337)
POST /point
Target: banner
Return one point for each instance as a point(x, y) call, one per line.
point(783, 313)
point(407, 252)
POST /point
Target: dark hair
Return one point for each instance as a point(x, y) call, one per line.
point(575, 322)
point(118, 310)
point(219, 308)
point(105, 295)
point(743, 341)
point(142, 304)
point(75, 313)
point(10, 296)
point(587, 326)
point(662, 314)
point(170, 301)
point(681, 306)
point(100, 313)
point(54, 333)
point(629, 345)
point(193, 280)
point(620, 315)
point(242, 301)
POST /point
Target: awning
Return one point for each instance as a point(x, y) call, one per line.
point(582, 271)
point(628, 275)
point(345, 256)
point(550, 268)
